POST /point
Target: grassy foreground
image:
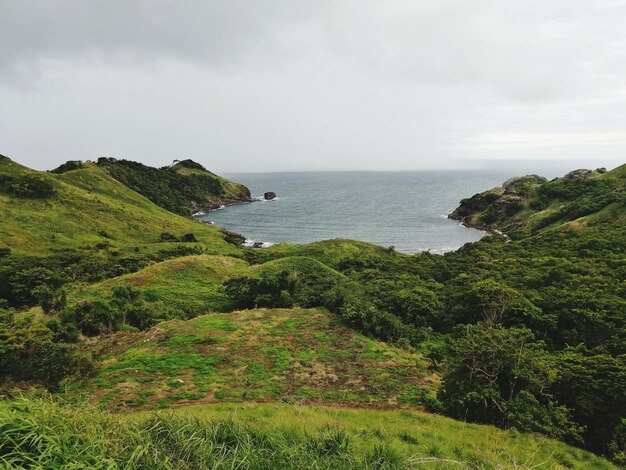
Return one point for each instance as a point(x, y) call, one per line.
point(41, 434)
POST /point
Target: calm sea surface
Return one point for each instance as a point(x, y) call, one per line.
point(405, 209)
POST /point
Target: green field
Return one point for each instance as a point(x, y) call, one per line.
point(42, 434)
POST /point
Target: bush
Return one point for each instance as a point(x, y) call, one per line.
point(501, 376)
point(93, 317)
point(30, 186)
point(29, 352)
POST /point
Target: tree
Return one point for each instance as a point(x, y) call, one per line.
point(418, 306)
point(501, 376)
point(31, 186)
point(593, 386)
point(242, 291)
point(51, 300)
point(492, 299)
point(28, 352)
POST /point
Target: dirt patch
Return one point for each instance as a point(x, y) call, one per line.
point(127, 385)
point(317, 374)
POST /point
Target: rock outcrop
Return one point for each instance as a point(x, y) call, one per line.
point(269, 195)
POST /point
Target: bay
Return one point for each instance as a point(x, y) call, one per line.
point(407, 210)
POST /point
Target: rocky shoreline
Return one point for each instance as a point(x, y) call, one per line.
point(217, 203)
point(221, 202)
point(466, 222)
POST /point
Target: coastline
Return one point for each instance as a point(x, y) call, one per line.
point(218, 203)
point(466, 222)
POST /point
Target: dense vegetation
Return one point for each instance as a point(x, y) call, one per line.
point(523, 331)
point(181, 188)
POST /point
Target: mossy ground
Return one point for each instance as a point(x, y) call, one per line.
point(256, 355)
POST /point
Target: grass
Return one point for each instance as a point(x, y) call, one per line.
point(193, 284)
point(332, 253)
point(87, 203)
point(255, 355)
point(39, 433)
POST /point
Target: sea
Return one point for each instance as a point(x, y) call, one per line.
point(406, 210)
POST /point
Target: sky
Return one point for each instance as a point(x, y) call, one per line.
point(314, 85)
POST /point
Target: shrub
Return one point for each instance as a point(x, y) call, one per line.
point(502, 376)
point(31, 186)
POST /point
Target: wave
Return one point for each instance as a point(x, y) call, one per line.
point(249, 243)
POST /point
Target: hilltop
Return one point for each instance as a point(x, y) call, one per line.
point(184, 187)
point(84, 207)
point(525, 205)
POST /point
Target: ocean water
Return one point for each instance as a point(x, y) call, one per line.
point(407, 210)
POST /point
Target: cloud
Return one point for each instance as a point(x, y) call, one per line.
point(330, 84)
point(528, 50)
point(218, 32)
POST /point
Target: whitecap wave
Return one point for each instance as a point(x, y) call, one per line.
point(249, 243)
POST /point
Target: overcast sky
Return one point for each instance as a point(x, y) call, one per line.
point(314, 85)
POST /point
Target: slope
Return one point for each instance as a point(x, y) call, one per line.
point(43, 434)
point(525, 205)
point(182, 188)
point(254, 355)
point(85, 207)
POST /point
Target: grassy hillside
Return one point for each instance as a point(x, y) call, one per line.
point(190, 284)
point(88, 207)
point(100, 292)
point(42, 434)
point(183, 188)
point(523, 206)
point(255, 355)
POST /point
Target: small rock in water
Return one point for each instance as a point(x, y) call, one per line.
point(269, 195)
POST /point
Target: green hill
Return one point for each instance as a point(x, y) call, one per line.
point(85, 207)
point(526, 205)
point(82, 225)
point(255, 355)
point(184, 187)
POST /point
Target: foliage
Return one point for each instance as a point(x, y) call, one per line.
point(502, 376)
point(28, 351)
point(549, 300)
point(26, 186)
point(174, 188)
point(70, 165)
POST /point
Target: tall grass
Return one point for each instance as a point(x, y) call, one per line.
point(39, 433)
point(42, 434)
